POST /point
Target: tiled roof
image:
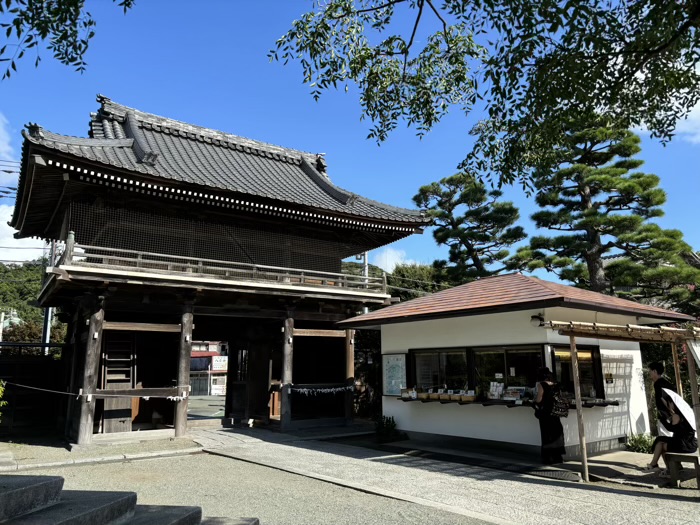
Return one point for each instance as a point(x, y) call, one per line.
point(504, 292)
point(125, 138)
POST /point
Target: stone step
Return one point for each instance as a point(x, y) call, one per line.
point(165, 515)
point(230, 521)
point(22, 494)
point(83, 507)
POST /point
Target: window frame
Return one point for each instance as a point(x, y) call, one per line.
point(598, 376)
point(413, 352)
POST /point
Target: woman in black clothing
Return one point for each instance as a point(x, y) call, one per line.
point(551, 430)
point(682, 441)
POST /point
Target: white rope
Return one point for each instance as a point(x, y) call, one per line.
point(82, 394)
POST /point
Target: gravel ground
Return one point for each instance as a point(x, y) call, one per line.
point(226, 487)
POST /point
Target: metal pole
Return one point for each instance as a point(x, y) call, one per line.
point(2, 323)
point(579, 408)
point(365, 272)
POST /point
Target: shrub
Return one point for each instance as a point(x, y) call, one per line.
point(640, 443)
point(2, 391)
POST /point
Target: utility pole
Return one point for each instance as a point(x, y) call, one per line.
point(366, 273)
point(2, 324)
point(48, 312)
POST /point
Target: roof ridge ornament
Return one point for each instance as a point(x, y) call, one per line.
point(323, 182)
point(140, 146)
point(35, 130)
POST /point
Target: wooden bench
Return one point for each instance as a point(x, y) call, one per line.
point(673, 462)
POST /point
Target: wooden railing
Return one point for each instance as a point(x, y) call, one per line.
point(136, 261)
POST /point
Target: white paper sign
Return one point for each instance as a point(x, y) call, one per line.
point(219, 362)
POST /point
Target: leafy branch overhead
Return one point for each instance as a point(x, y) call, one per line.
point(533, 64)
point(62, 27)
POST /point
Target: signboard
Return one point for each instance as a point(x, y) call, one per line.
point(219, 362)
point(393, 373)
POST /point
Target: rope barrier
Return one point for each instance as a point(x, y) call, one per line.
point(89, 396)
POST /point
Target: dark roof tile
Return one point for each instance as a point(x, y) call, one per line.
point(182, 152)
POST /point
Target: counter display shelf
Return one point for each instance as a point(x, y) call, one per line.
point(586, 403)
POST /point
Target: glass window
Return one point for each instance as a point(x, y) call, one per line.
point(590, 371)
point(522, 365)
point(489, 367)
point(510, 367)
point(440, 369)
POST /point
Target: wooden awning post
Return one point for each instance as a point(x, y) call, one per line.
point(288, 354)
point(93, 347)
point(349, 373)
point(692, 375)
point(677, 369)
point(579, 408)
point(183, 371)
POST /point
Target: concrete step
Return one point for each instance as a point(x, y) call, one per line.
point(83, 507)
point(230, 521)
point(165, 515)
point(22, 494)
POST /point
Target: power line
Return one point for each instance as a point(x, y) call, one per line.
point(23, 248)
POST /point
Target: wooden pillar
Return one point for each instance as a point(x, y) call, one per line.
point(349, 374)
point(286, 394)
point(677, 369)
point(579, 408)
point(183, 371)
point(70, 246)
point(93, 348)
point(692, 375)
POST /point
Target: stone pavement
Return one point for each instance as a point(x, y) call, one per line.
point(494, 495)
point(38, 453)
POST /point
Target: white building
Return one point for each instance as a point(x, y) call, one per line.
point(455, 347)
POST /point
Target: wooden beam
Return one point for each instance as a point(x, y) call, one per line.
point(138, 392)
point(641, 338)
point(93, 347)
point(349, 373)
point(183, 371)
point(304, 332)
point(579, 408)
point(692, 376)
point(677, 369)
point(288, 355)
point(142, 327)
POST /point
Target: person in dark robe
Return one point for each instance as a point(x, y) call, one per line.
point(656, 373)
point(551, 429)
point(683, 439)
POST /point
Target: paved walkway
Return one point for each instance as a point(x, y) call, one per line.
point(495, 495)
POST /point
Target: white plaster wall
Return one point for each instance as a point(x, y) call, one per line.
point(518, 425)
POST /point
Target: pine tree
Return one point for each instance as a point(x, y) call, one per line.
point(473, 223)
point(603, 207)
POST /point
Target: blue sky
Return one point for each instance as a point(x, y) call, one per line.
point(206, 63)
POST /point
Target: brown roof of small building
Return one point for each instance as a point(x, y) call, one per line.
point(507, 293)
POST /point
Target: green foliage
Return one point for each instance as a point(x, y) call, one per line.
point(2, 393)
point(385, 427)
point(603, 208)
point(409, 281)
point(533, 65)
point(19, 287)
point(641, 443)
point(471, 221)
point(63, 27)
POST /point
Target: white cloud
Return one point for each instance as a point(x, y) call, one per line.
point(689, 128)
point(6, 153)
point(387, 258)
point(12, 249)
